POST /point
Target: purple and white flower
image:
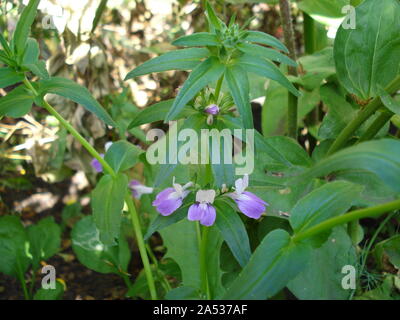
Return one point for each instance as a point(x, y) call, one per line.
point(212, 109)
point(248, 203)
point(170, 199)
point(139, 189)
point(96, 163)
point(203, 210)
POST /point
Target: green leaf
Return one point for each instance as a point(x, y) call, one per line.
point(50, 294)
point(268, 53)
point(389, 102)
point(94, 254)
point(161, 222)
point(122, 155)
point(324, 8)
point(274, 263)
point(264, 38)
point(6, 47)
point(24, 24)
point(323, 203)
point(198, 39)
point(99, 12)
point(390, 249)
point(233, 231)
point(266, 69)
point(183, 293)
point(13, 247)
point(157, 112)
point(214, 21)
point(184, 59)
point(182, 246)
point(207, 72)
point(379, 157)
point(369, 56)
point(322, 278)
point(238, 83)
point(71, 90)
point(45, 240)
point(107, 204)
point(39, 69)
point(9, 77)
point(17, 103)
point(340, 113)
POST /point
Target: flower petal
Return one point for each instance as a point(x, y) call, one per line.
point(209, 216)
point(168, 206)
point(195, 213)
point(162, 196)
point(251, 205)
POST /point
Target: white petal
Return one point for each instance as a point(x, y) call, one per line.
point(205, 196)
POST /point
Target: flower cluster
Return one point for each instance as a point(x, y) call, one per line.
point(171, 199)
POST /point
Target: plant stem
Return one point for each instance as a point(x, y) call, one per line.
point(109, 170)
point(203, 263)
point(376, 126)
point(141, 245)
point(309, 33)
point(362, 116)
point(218, 88)
point(24, 288)
point(286, 18)
point(348, 217)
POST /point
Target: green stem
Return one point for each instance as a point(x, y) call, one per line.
point(24, 287)
point(141, 245)
point(203, 263)
point(292, 115)
point(376, 126)
point(348, 217)
point(218, 88)
point(362, 116)
point(109, 170)
point(309, 34)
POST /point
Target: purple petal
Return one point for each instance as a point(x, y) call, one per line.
point(162, 196)
point(251, 205)
point(133, 183)
point(166, 204)
point(205, 213)
point(96, 165)
point(212, 109)
point(195, 212)
point(167, 207)
point(209, 216)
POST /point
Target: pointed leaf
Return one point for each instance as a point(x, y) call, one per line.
point(184, 59)
point(238, 83)
point(24, 24)
point(198, 39)
point(264, 38)
point(268, 53)
point(233, 231)
point(274, 263)
point(266, 69)
point(71, 90)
